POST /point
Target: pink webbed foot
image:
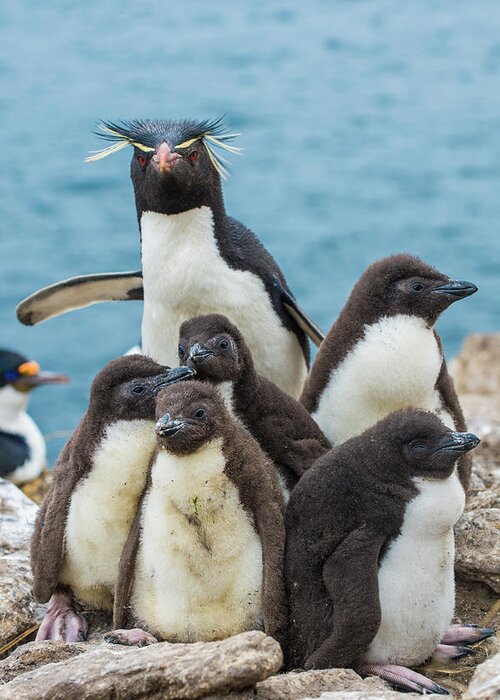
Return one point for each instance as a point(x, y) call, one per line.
point(466, 634)
point(449, 652)
point(63, 621)
point(403, 678)
point(132, 638)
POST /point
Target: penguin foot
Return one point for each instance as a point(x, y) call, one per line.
point(63, 621)
point(448, 652)
point(404, 679)
point(131, 638)
point(466, 634)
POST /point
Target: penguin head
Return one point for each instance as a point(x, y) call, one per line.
point(18, 376)
point(175, 165)
point(419, 443)
point(189, 416)
point(214, 347)
point(404, 284)
point(126, 388)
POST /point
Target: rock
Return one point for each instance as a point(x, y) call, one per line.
point(34, 654)
point(17, 603)
point(476, 369)
point(371, 695)
point(160, 671)
point(485, 683)
point(294, 686)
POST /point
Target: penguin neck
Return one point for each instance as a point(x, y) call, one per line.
point(13, 405)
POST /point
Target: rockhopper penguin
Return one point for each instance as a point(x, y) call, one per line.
point(85, 518)
point(360, 596)
point(23, 454)
point(215, 348)
point(195, 258)
point(210, 543)
point(383, 354)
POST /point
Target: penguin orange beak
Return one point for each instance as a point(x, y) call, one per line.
point(31, 376)
point(164, 159)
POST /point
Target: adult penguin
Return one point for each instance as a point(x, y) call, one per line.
point(370, 552)
point(383, 353)
point(195, 258)
point(99, 477)
point(23, 453)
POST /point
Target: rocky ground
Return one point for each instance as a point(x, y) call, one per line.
point(246, 666)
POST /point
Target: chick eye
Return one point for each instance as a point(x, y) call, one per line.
point(193, 156)
point(142, 160)
point(417, 287)
point(223, 344)
point(418, 446)
point(181, 351)
point(200, 413)
point(139, 389)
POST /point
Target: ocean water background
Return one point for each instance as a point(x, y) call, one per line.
point(369, 127)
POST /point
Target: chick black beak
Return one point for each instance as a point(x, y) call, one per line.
point(168, 426)
point(198, 354)
point(456, 289)
point(176, 374)
point(459, 442)
point(165, 158)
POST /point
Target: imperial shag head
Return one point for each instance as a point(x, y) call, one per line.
point(176, 165)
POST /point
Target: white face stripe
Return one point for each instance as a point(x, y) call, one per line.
point(395, 365)
point(102, 508)
point(416, 578)
point(199, 566)
point(185, 275)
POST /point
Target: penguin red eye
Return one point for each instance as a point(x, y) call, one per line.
point(223, 344)
point(199, 414)
point(417, 287)
point(142, 160)
point(193, 156)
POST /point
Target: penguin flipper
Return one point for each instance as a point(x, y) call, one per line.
point(300, 317)
point(350, 575)
point(78, 292)
point(14, 452)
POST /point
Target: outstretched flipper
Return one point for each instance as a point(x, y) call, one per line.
point(350, 575)
point(299, 315)
point(78, 292)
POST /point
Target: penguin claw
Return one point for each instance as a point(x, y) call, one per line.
point(132, 638)
point(404, 679)
point(63, 621)
point(466, 634)
point(448, 652)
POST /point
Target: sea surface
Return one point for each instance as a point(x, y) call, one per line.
point(369, 127)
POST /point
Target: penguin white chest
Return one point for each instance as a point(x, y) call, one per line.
point(102, 508)
point(416, 578)
point(185, 275)
point(395, 365)
point(199, 567)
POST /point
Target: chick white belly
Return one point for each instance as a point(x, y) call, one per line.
point(101, 511)
point(185, 275)
point(198, 577)
point(395, 365)
point(416, 577)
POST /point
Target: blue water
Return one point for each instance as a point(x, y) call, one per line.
point(369, 127)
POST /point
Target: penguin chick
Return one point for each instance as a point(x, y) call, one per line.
point(85, 518)
point(23, 454)
point(209, 559)
point(215, 349)
point(370, 549)
point(383, 354)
